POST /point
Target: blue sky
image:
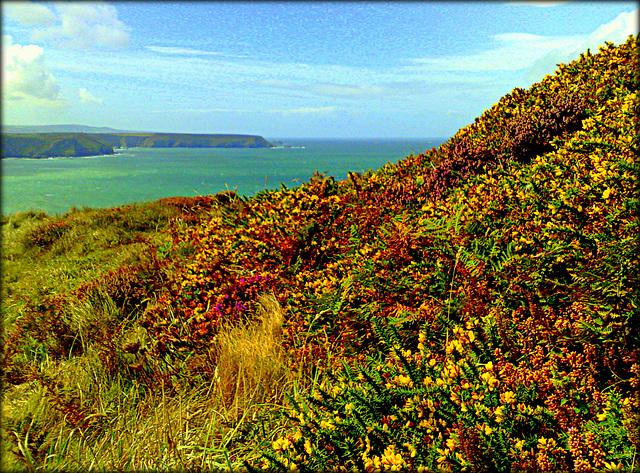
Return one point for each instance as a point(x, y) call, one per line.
point(288, 69)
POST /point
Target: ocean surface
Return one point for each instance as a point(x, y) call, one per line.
point(139, 175)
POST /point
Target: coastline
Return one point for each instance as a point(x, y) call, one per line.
point(57, 157)
point(146, 174)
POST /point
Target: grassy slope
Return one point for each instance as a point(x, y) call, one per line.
point(483, 292)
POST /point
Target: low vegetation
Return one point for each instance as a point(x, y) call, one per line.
point(471, 308)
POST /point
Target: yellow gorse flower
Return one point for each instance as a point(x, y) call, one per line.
point(281, 444)
point(307, 447)
point(326, 425)
point(508, 397)
point(391, 460)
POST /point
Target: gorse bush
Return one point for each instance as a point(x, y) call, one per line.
point(528, 356)
point(420, 411)
point(473, 307)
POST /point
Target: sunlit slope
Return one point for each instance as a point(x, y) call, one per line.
point(514, 243)
point(509, 305)
point(396, 218)
point(483, 295)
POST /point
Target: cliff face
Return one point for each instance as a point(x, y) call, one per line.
point(183, 140)
point(46, 145)
point(49, 145)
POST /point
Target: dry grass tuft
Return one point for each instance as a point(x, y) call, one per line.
point(251, 363)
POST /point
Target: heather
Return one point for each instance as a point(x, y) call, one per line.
point(473, 307)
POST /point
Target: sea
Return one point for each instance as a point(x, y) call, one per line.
point(138, 175)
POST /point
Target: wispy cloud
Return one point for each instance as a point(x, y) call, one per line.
point(512, 52)
point(190, 80)
point(235, 76)
point(182, 51)
point(327, 89)
point(203, 111)
point(278, 111)
point(308, 111)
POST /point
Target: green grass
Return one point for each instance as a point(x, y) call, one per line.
point(98, 405)
point(46, 255)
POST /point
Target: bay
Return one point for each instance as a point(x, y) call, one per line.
point(139, 175)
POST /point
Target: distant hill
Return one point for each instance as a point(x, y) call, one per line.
point(183, 140)
point(45, 145)
point(49, 145)
point(59, 129)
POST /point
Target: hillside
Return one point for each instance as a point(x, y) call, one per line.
point(470, 308)
point(183, 140)
point(46, 145)
point(50, 145)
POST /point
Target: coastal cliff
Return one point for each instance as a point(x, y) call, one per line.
point(182, 140)
point(47, 145)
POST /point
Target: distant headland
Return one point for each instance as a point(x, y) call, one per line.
point(78, 140)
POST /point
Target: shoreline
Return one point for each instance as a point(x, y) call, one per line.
point(141, 174)
point(58, 157)
point(119, 151)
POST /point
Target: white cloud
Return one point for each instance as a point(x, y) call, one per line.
point(26, 75)
point(87, 97)
point(28, 13)
point(534, 55)
point(514, 51)
point(617, 31)
point(75, 25)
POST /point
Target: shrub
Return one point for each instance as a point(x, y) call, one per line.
point(44, 236)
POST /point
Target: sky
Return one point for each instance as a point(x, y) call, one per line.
point(288, 69)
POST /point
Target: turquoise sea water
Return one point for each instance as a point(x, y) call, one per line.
point(146, 174)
